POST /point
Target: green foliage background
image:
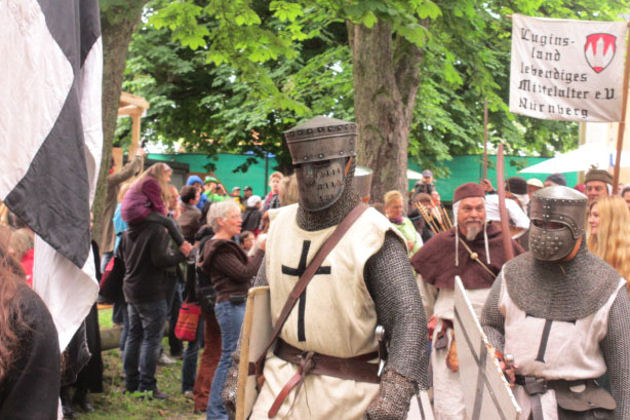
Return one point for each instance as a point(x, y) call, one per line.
point(231, 76)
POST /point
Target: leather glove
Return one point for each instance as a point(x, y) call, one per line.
point(392, 400)
point(228, 395)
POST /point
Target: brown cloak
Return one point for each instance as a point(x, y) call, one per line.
point(435, 261)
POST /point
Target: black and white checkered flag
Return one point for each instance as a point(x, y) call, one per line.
point(51, 140)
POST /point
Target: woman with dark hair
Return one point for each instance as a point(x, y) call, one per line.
point(29, 348)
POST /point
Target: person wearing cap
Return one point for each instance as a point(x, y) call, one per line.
point(247, 192)
point(214, 190)
point(196, 182)
point(598, 184)
point(236, 196)
point(209, 185)
point(533, 185)
point(427, 176)
point(425, 185)
point(472, 249)
point(252, 215)
point(516, 188)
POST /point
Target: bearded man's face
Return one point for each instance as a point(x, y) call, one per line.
point(471, 216)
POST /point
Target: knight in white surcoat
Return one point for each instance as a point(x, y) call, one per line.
point(325, 364)
point(563, 315)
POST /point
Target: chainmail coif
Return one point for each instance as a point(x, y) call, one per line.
point(616, 344)
point(561, 291)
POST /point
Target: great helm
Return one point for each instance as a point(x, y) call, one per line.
point(319, 148)
point(558, 215)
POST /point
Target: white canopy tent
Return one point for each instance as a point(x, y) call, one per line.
point(580, 159)
point(411, 174)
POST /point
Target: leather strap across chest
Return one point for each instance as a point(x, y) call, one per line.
point(306, 277)
point(475, 257)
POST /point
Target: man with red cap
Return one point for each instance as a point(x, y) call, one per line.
point(472, 249)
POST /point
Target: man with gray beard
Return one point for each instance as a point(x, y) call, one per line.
point(472, 249)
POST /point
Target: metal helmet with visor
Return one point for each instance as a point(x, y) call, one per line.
point(558, 217)
point(320, 149)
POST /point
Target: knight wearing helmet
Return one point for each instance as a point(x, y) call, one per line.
point(564, 315)
point(328, 343)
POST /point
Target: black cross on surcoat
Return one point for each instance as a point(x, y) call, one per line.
point(298, 272)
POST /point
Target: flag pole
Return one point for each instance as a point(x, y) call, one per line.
point(485, 139)
point(505, 228)
point(622, 122)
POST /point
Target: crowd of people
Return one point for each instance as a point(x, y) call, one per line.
point(199, 245)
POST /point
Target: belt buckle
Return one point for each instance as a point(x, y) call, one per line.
point(534, 386)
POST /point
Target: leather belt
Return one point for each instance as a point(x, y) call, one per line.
point(535, 387)
point(356, 369)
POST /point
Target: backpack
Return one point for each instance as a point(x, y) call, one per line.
point(204, 290)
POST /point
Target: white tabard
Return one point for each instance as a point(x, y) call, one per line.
point(571, 351)
point(338, 317)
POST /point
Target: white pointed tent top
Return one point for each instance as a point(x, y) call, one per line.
point(580, 159)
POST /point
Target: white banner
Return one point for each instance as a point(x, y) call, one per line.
point(567, 70)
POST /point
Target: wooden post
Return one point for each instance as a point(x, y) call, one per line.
point(485, 139)
point(505, 227)
point(622, 122)
point(135, 133)
point(117, 155)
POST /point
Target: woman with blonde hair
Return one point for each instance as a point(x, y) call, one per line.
point(393, 208)
point(147, 200)
point(609, 232)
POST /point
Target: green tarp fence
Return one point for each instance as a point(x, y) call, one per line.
point(462, 169)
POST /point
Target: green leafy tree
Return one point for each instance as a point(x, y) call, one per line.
point(211, 108)
point(414, 73)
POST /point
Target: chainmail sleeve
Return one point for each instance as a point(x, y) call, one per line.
point(261, 276)
point(492, 320)
point(616, 349)
point(392, 285)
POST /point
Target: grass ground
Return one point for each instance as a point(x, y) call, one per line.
point(113, 404)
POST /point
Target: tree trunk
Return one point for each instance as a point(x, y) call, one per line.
point(117, 26)
point(384, 95)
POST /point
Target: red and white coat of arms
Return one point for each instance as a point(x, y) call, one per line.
point(599, 50)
